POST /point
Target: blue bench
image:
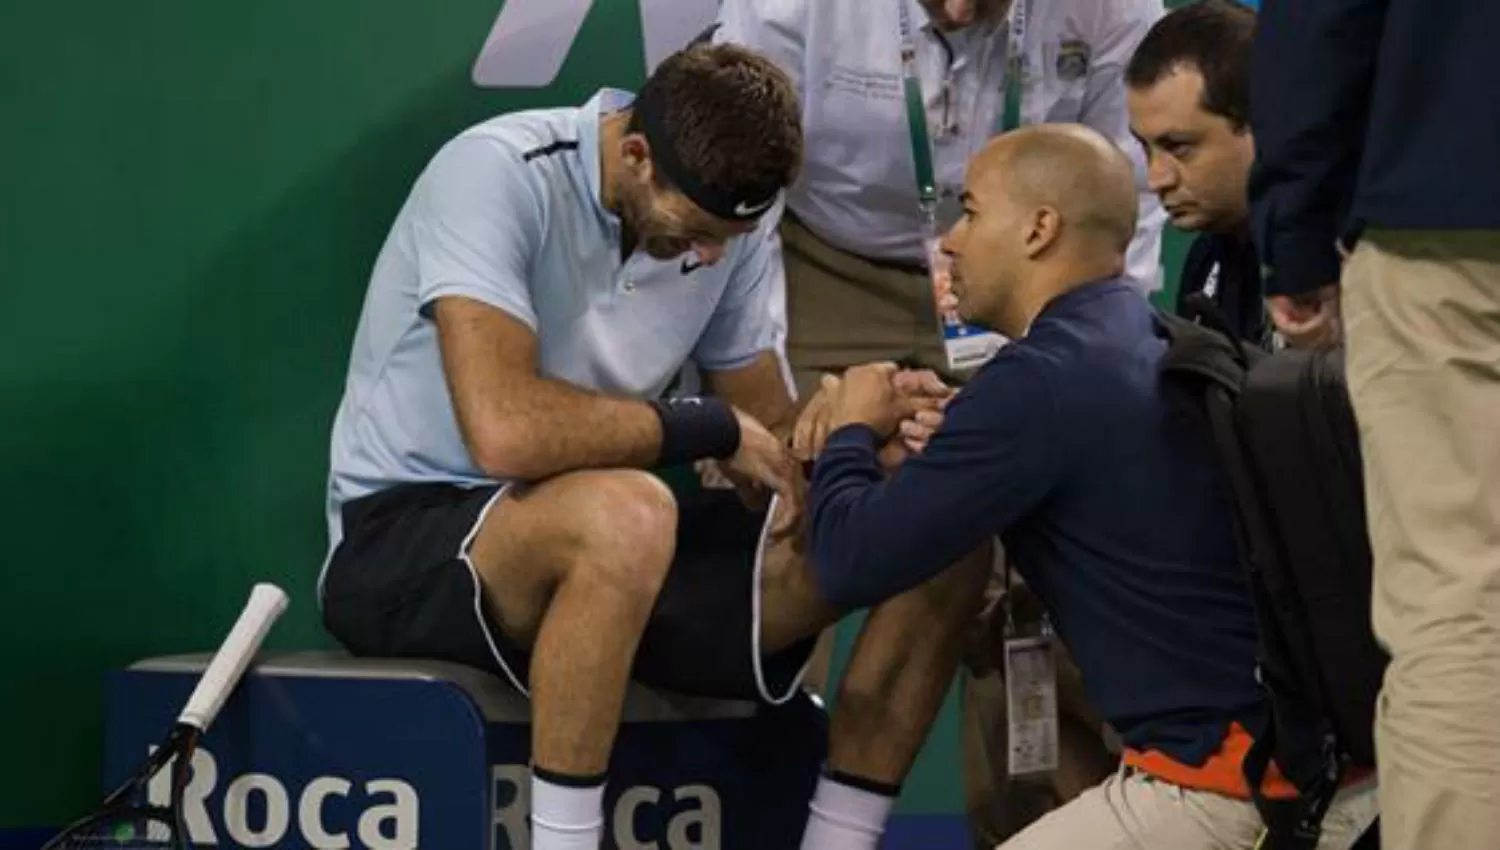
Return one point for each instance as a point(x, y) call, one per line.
point(324, 750)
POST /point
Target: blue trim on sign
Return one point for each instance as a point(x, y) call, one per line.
point(904, 832)
point(927, 832)
point(25, 839)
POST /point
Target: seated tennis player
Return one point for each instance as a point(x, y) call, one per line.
point(549, 275)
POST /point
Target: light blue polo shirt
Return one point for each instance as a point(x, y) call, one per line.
point(509, 214)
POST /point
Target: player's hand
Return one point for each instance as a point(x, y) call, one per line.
point(921, 383)
point(811, 430)
point(928, 396)
point(920, 390)
point(911, 438)
point(1310, 320)
point(915, 432)
point(867, 396)
point(765, 461)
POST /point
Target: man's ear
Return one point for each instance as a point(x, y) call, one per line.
point(636, 153)
point(1042, 231)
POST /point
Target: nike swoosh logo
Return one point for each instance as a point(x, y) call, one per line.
point(744, 209)
point(689, 266)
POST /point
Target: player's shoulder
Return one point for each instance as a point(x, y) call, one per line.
point(515, 155)
point(744, 250)
point(520, 138)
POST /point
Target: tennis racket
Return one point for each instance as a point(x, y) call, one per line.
point(126, 820)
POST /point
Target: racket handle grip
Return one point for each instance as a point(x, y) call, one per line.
point(267, 602)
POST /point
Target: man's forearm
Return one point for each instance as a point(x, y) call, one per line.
point(549, 427)
point(783, 426)
point(872, 540)
point(758, 389)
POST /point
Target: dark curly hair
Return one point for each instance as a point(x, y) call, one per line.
point(731, 116)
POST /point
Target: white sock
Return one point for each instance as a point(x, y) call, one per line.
point(844, 817)
point(566, 816)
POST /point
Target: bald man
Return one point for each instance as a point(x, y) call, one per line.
point(1102, 486)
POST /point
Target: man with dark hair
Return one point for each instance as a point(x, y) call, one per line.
point(1188, 92)
point(488, 504)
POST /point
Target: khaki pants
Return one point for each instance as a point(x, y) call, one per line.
point(843, 310)
point(1422, 313)
point(999, 805)
point(1133, 811)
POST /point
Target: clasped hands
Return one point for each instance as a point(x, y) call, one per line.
point(903, 407)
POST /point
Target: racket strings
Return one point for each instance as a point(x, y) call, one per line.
point(128, 831)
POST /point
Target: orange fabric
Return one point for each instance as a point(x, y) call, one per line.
point(1224, 771)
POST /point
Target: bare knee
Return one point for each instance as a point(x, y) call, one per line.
point(618, 527)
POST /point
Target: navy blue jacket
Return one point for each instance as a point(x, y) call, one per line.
point(1224, 268)
point(1106, 495)
point(1370, 114)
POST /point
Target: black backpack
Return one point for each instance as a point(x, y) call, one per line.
point(1286, 436)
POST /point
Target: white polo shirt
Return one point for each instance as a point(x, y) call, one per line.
point(509, 214)
point(858, 185)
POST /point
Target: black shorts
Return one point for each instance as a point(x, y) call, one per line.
point(400, 585)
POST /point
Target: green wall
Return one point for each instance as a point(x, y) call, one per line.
point(190, 197)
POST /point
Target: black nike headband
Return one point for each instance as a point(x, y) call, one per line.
point(738, 203)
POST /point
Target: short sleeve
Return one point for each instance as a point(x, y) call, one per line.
point(477, 222)
point(751, 317)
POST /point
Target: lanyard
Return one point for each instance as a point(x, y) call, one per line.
point(1007, 607)
point(916, 111)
